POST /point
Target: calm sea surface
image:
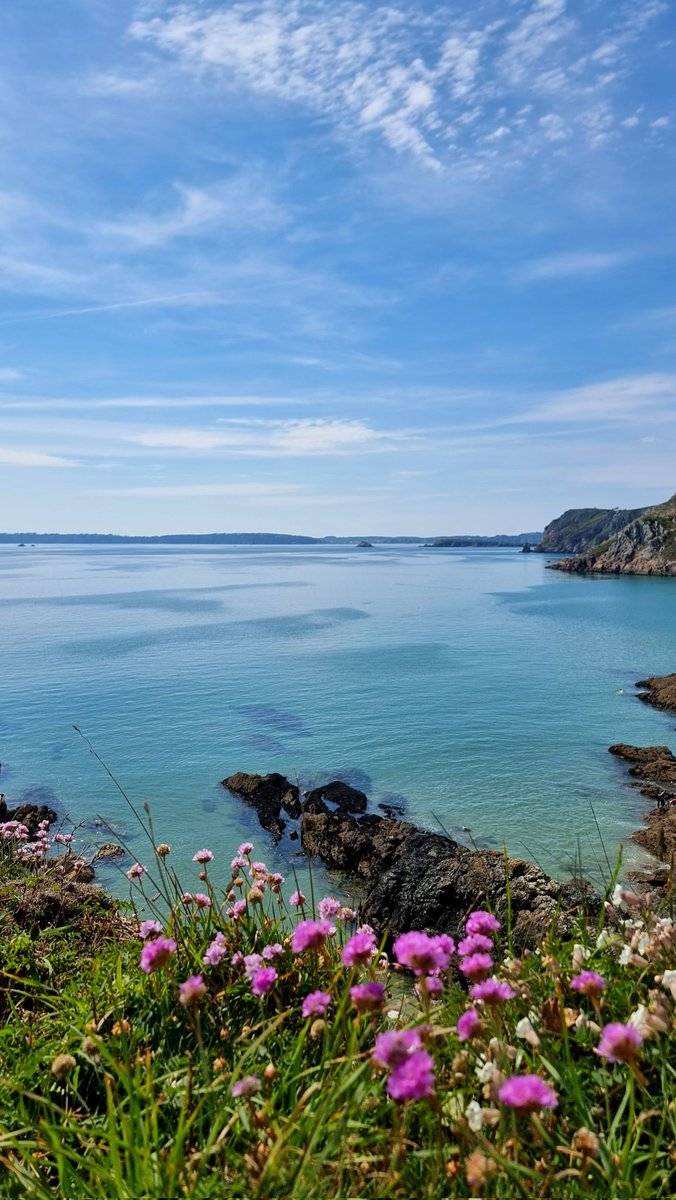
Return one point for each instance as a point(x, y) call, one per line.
point(475, 686)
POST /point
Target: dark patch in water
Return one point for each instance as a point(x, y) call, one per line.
point(38, 794)
point(260, 741)
point(352, 775)
point(274, 718)
point(393, 804)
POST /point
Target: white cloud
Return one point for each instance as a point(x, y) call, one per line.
point(292, 438)
point(10, 457)
point(239, 203)
point(627, 398)
point(572, 265)
point(10, 374)
point(251, 490)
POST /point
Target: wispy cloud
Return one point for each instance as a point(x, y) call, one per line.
point(626, 398)
point(252, 491)
point(150, 302)
point(277, 439)
point(10, 457)
point(572, 265)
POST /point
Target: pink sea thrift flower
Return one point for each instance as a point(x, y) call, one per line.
point(273, 951)
point(328, 908)
point(149, 929)
point(475, 943)
point(482, 922)
point(367, 997)
point(309, 935)
point(477, 966)
point(203, 856)
point(413, 1079)
point(296, 899)
point(422, 953)
point(248, 1086)
point(201, 900)
point(156, 954)
point(187, 898)
point(619, 1043)
point(359, 950)
point(430, 984)
point(238, 862)
point(216, 952)
point(192, 991)
point(264, 981)
point(238, 909)
point(252, 963)
point(391, 1049)
point(259, 868)
point(237, 959)
point(492, 991)
point(527, 1093)
point(63, 839)
point(589, 983)
point(468, 1025)
point(245, 848)
point(315, 1004)
point(137, 871)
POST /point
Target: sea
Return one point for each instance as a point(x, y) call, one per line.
point(472, 689)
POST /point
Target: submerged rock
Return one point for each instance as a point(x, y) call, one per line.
point(347, 799)
point(268, 795)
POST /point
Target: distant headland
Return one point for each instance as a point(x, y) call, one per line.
point(259, 539)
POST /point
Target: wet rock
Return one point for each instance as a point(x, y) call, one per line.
point(347, 799)
point(655, 764)
point(268, 795)
point(108, 851)
point(660, 691)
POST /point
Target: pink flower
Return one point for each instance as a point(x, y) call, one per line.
point(238, 909)
point(474, 943)
point(252, 963)
point(156, 954)
point(273, 951)
point(203, 856)
point(63, 839)
point(481, 922)
point(468, 1025)
point(359, 950)
point(619, 1043)
point(413, 1079)
point(431, 984)
point(238, 862)
point(245, 848)
point(192, 991)
point(259, 868)
point(328, 908)
point(527, 1093)
point(491, 991)
point(589, 983)
point(264, 981)
point(391, 1049)
point(477, 966)
point(216, 952)
point(248, 1086)
point(137, 871)
point(309, 935)
point(201, 900)
point(237, 959)
point(367, 997)
point(187, 898)
point(148, 929)
point(296, 899)
point(315, 1004)
point(422, 953)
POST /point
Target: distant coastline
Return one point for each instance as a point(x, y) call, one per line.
point(259, 539)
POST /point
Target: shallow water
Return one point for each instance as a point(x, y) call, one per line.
point(475, 685)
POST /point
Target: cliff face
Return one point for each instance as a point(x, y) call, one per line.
point(646, 546)
point(579, 529)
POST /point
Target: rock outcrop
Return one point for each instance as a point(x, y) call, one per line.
point(30, 815)
point(411, 878)
point(654, 769)
point(579, 529)
point(645, 546)
point(660, 691)
point(268, 795)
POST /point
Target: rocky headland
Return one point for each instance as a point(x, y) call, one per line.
point(644, 546)
point(580, 529)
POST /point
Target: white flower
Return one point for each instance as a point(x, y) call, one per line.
point(603, 939)
point(474, 1115)
point(669, 982)
point(625, 956)
point(580, 955)
point(525, 1030)
point(487, 1072)
point(639, 1020)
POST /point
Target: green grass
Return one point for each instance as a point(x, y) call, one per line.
point(145, 1110)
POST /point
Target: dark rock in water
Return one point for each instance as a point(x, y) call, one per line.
point(108, 851)
point(655, 764)
point(30, 815)
point(347, 799)
point(268, 794)
point(526, 548)
point(660, 691)
point(364, 545)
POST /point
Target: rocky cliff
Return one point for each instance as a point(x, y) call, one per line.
point(645, 546)
point(579, 529)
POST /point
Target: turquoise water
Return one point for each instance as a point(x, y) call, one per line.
point(476, 686)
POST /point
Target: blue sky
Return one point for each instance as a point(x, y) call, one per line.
point(325, 267)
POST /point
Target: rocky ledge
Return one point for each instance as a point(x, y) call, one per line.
point(660, 691)
point(411, 878)
point(654, 771)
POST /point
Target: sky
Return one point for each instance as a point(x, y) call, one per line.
point(327, 267)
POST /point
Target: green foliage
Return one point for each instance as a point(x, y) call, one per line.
point(143, 1107)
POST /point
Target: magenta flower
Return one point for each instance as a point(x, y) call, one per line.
point(477, 966)
point(423, 954)
point(237, 959)
point(149, 929)
point(203, 856)
point(475, 943)
point(296, 899)
point(248, 1086)
point(527, 1093)
point(201, 900)
point(359, 950)
point(273, 951)
point(430, 984)
point(589, 983)
point(245, 848)
point(216, 952)
point(391, 1049)
point(367, 997)
point(264, 981)
point(492, 991)
point(136, 872)
point(328, 908)
point(192, 991)
point(238, 909)
point(468, 1025)
point(619, 1043)
point(315, 1004)
point(156, 954)
point(413, 1079)
point(252, 963)
point(309, 935)
point(482, 922)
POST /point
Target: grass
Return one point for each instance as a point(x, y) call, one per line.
point(110, 1086)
